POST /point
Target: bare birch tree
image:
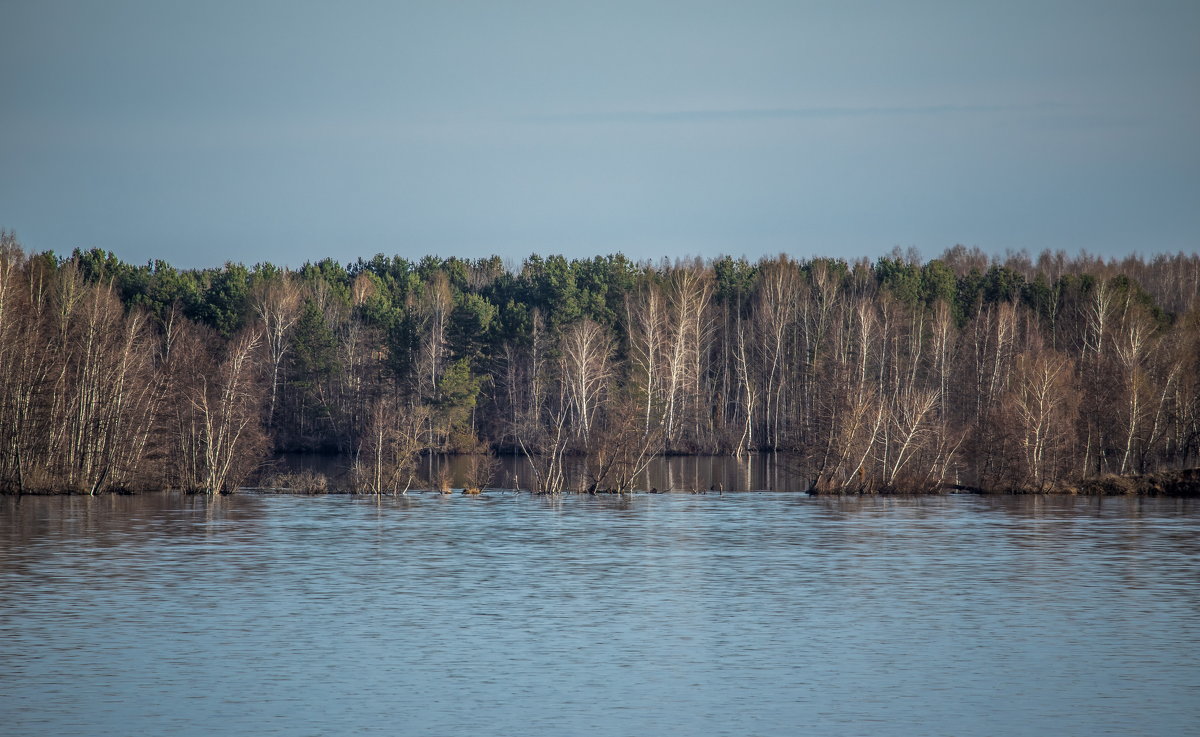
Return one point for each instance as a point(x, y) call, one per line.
point(1043, 407)
point(277, 304)
point(586, 351)
point(386, 462)
point(222, 422)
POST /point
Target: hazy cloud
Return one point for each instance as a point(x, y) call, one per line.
point(784, 113)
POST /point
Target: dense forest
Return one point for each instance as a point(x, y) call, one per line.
point(1012, 374)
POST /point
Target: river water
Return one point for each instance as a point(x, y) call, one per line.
point(671, 614)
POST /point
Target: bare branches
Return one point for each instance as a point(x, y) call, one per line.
point(386, 462)
point(1017, 373)
point(219, 429)
point(585, 352)
point(277, 305)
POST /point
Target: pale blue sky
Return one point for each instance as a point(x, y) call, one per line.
point(200, 132)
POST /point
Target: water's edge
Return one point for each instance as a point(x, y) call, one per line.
point(697, 474)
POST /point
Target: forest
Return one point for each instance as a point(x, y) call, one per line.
point(1012, 374)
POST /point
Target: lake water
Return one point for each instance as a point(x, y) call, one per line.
point(748, 472)
point(670, 614)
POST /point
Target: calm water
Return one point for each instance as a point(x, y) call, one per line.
point(750, 472)
point(734, 614)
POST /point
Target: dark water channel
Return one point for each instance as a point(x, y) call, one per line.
point(682, 614)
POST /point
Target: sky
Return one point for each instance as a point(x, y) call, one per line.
point(206, 132)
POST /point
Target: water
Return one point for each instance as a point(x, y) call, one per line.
point(749, 472)
point(681, 614)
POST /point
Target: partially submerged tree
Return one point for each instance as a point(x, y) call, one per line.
point(220, 420)
point(386, 462)
point(622, 447)
point(893, 375)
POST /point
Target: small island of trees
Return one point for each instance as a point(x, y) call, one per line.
point(899, 375)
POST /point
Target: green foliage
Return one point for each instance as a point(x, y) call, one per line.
point(314, 347)
point(969, 296)
point(335, 277)
point(161, 286)
point(401, 341)
point(551, 285)
point(734, 279)
point(938, 283)
point(380, 309)
point(225, 299)
point(99, 267)
point(471, 326)
point(265, 273)
point(458, 394)
point(1002, 284)
point(1042, 298)
point(514, 322)
point(395, 277)
point(362, 328)
point(835, 267)
point(902, 279)
point(455, 270)
point(458, 389)
point(603, 283)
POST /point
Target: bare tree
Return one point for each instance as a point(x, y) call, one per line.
point(645, 316)
point(541, 412)
point(623, 447)
point(543, 434)
point(23, 360)
point(776, 309)
point(434, 307)
point(221, 425)
point(386, 462)
point(852, 412)
point(277, 304)
point(1043, 405)
point(745, 380)
point(585, 350)
point(912, 428)
point(689, 328)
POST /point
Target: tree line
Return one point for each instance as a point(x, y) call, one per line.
point(1013, 373)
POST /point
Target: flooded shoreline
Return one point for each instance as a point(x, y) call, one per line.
point(310, 473)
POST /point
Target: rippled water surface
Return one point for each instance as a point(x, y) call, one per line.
point(734, 614)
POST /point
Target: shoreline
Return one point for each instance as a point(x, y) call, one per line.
point(1183, 483)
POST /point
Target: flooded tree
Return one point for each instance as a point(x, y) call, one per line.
point(585, 351)
point(623, 446)
point(386, 462)
point(1020, 372)
point(220, 419)
point(1041, 410)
